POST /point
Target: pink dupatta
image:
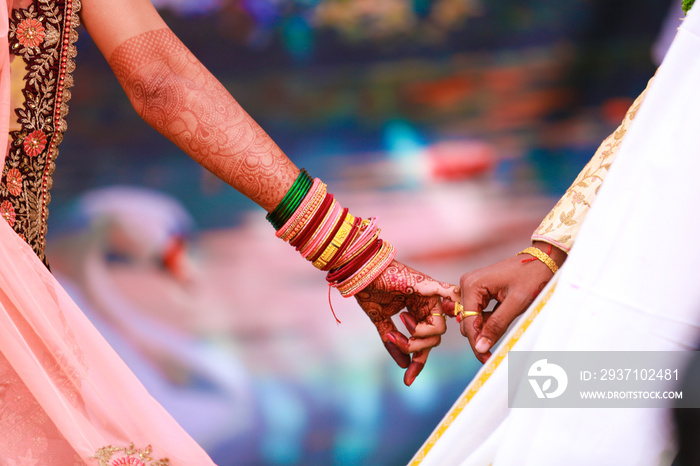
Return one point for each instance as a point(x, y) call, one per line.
point(65, 396)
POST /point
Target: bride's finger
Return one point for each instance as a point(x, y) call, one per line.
point(416, 366)
point(394, 342)
point(419, 344)
point(432, 287)
point(434, 324)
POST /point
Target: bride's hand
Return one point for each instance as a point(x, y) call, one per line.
point(401, 287)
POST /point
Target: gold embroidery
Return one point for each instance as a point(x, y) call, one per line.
point(561, 225)
point(42, 36)
point(127, 456)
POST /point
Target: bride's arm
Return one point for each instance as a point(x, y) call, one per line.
point(174, 93)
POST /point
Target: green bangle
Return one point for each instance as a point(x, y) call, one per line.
point(290, 201)
point(290, 193)
point(294, 202)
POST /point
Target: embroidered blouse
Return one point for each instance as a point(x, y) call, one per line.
point(42, 39)
point(563, 222)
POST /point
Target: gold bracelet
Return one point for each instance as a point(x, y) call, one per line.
point(331, 217)
point(336, 242)
point(542, 256)
point(343, 261)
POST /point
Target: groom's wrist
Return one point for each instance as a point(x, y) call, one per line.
point(557, 255)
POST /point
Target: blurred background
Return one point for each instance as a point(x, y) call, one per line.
point(458, 122)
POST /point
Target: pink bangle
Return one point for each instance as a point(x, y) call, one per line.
point(366, 236)
point(335, 224)
point(290, 224)
point(322, 233)
point(344, 273)
point(306, 233)
point(313, 197)
point(369, 272)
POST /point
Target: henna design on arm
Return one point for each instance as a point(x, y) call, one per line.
point(174, 93)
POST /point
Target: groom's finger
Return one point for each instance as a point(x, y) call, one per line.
point(499, 320)
point(470, 328)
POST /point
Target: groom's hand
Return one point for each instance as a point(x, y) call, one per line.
point(514, 283)
point(401, 287)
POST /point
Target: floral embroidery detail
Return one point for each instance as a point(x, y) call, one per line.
point(561, 225)
point(42, 36)
point(30, 33)
point(578, 198)
point(34, 143)
point(14, 181)
point(7, 212)
point(128, 456)
point(130, 461)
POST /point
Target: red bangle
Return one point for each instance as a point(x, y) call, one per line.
point(343, 273)
point(346, 244)
point(325, 244)
point(322, 232)
point(315, 221)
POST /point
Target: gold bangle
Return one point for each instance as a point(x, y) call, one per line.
point(362, 249)
point(332, 217)
point(542, 256)
point(336, 242)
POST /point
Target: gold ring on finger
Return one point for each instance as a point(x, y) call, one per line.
point(465, 314)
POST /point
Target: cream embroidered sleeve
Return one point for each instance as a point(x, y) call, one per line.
point(562, 224)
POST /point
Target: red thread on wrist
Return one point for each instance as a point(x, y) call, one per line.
point(330, 285)
point(549, 253)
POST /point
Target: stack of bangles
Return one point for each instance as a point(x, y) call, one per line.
point(332, 239)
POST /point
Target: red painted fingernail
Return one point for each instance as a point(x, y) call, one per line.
point(412, 372)
point(402, 359)
point(409, 325)
point(391, 338)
